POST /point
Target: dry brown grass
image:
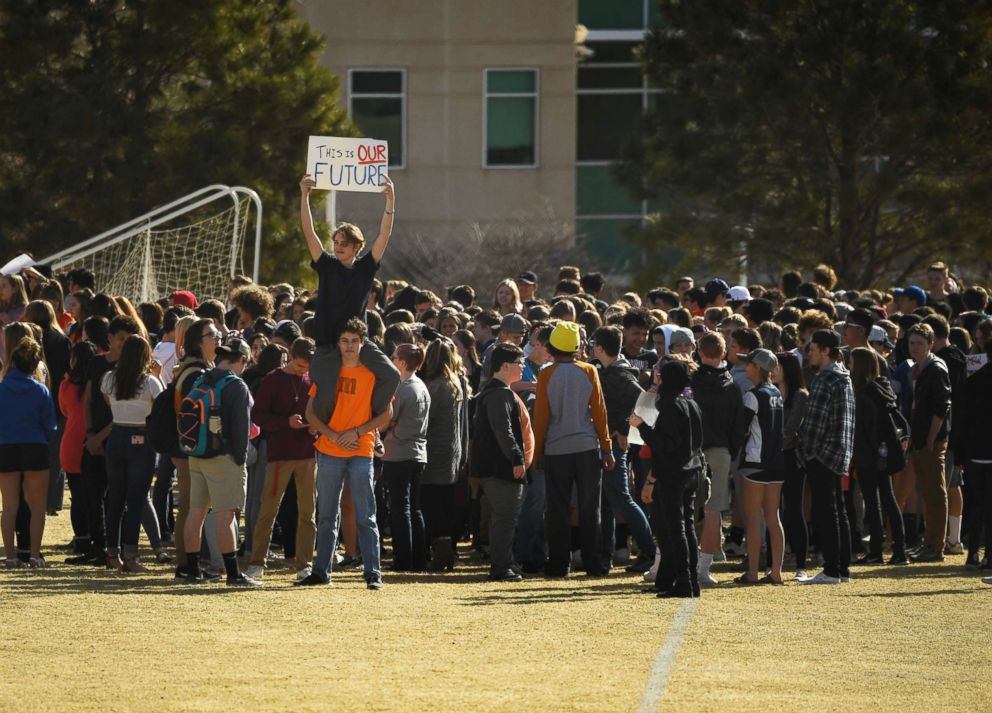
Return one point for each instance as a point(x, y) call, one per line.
point(82, 640)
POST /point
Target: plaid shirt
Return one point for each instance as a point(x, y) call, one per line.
point(827, 430)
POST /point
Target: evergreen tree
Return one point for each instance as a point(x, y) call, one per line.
point(110, 108)
point(852, 132)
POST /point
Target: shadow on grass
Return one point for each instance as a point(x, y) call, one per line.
point(521, 593)
point(56, 582)
point(927, 593)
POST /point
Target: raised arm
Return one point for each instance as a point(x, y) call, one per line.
point(306, 219)
point(386, 227)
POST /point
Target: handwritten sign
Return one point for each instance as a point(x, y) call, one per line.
point(976, 362)
point(17, 264)
point(340, 164)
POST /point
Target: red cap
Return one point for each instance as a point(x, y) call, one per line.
point(184, 298)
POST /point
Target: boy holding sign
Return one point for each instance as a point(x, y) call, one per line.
point(344, 284)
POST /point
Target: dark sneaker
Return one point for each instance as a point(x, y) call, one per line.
point(312, 580)
point(243, 581)
point(928, 554)
point(374, 584)
point(869, 559)
point(640, 565)
point(200, 577)
point(899, 558)
point(349, 563)
point(507, 576)
point(973, 562)
point(88, 558)
point(532, 567)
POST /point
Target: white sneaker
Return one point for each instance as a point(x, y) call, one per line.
point(987, 580)
point(956, 548)
point(255, 571)
point(653, 572)
point(621, 556)
point(304, 573)
point(802, 576)
point(707, 580)
point(823, 578)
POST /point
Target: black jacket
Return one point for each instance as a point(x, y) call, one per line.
point(497, 435)
point(722, 407)
point(58, 352)
point(973, 420)
point(676, 440)
point(875, 409)
point(931, 397)
point(957, 369)
point(621, 390)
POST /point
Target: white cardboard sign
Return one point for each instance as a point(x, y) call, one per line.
point(343, 164)
point(17, 264)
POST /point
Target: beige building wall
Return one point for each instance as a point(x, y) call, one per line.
point(444, 46)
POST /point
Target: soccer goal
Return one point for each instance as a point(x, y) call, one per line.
point(194, 243)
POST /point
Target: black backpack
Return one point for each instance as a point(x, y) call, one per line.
point(161, 432)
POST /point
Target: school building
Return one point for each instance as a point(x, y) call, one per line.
point(508, 110)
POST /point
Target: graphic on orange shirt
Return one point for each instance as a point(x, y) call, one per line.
point(352, 408)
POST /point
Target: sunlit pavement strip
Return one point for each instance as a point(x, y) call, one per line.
point(654, 692)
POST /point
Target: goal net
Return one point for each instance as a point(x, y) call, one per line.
point(198, 249)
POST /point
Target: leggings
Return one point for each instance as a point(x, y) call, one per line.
point(876, 488)
point(793, 490)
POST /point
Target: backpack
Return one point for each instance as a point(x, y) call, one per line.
point(160, 425)
point(198, 418)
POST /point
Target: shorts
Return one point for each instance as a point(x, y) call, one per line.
point(22, 457)
point(719, 461)
point(218, 483)
point(766, 477)
point(953, 473)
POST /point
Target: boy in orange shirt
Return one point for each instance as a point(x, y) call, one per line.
point(344, 453)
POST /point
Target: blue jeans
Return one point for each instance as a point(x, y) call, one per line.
point(331, 476)
point(618, 501)
point(530, 525)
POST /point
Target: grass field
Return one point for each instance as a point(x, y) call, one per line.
point(893, 639)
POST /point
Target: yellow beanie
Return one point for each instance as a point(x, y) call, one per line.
point(565, 337)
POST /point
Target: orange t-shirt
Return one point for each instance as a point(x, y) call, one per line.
point(352, 408)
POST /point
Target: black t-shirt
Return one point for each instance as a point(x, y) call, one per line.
point(644, 360)
point(342, 293)
point(100, 413)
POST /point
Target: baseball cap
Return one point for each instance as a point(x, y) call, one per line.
point(716, 287)
point(287, 330)
point(681, 336)
point(739, 293)
point(565, 337)
point(861, 317)
point(915, 293)
point(826, 338)
point(527, 276)
point(184, 298)
point(514, 324)
point(762, 358)
point(234, 349)
point(878, 334)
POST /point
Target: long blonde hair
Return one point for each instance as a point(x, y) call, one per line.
point(442, 362)
point(20, 296)
point(518, 306)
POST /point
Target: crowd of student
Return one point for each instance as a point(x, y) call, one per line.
point(551, 429)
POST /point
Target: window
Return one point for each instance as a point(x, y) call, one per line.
point(618, 14)
point(510, 120)
point(377, 105)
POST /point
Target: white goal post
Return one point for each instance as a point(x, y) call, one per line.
point(157, 253)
